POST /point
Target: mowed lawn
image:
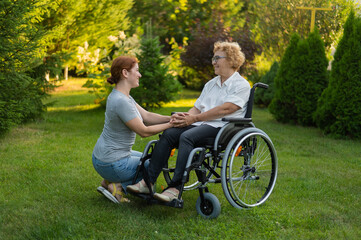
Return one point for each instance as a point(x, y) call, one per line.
point(48, 184)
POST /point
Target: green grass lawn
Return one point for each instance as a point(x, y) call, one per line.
point(48, 184)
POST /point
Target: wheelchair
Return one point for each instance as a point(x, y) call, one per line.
point(241, 157)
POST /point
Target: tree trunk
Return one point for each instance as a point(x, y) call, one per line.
point(66, 71)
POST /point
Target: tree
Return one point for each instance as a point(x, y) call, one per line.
point(199, 52)
point(156, 85)
point(178, 18)
point(300, 81)
point(282, 105)
point(338, 109)
point(96, 66)
point(20, 38)
point(273, 22)
point(311, 76)
point(263, 97)
point(71, 23)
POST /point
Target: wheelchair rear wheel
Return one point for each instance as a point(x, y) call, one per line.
point(249, 168)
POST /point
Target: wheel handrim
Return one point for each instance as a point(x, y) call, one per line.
point(254, 178)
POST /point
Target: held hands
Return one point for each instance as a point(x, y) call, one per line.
point(182, 119)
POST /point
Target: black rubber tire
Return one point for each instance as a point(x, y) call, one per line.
point(210, 208)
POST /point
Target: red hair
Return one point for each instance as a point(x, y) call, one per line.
point(120, 63)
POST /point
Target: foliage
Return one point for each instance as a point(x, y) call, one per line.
point(156, 85)
point(310, 76)
point(96, 65)
point(338, 110)
point(21, 91)
point(263, 97)
point(282, 105)
point(273, 22)
point(177, 19)
point(300, 81)
point(187, 76)
point(71, 23)
point(199, 52)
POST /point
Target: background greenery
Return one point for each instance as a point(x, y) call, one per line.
point(336, 111)
point(45, 39)
point(48, 185)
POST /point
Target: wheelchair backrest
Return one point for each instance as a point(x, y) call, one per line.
point(235, 125)
point(251, 98)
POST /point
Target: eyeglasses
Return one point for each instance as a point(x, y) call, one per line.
point(216, 58)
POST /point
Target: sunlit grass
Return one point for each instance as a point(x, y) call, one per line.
point(181, 103)
point(48, 184)
point(74, 108)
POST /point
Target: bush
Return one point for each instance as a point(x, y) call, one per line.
point(199, 52)
point(157, 85)
point(185, 75)
point(20, 94)
point(300, 80)
point(263, 97)
point(310, 76)
point(338, 109)
point(282, 105)
point(96, 64)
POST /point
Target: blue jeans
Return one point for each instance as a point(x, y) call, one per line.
point(122, 171)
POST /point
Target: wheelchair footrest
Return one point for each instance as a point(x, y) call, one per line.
point(174, 203)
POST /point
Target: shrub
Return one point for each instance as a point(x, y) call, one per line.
point(185, 75)
point(310, 75)
point(199, 52)
point(156, 85)
point(20, 94)
point(282, 105)
point(338, 109)
point(96, 65)
point(300, 80)
point(263, 97)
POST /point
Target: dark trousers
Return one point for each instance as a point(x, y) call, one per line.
point(186, 139)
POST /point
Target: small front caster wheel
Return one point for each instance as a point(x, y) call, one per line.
point(210, 207)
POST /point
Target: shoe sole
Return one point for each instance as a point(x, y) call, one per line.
point(107, 194)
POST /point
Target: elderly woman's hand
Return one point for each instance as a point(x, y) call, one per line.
point(178, 116)
point(182, 119)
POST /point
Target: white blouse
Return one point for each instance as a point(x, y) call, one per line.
point(235, 90)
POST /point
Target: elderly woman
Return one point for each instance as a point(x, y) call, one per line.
point(226, 95)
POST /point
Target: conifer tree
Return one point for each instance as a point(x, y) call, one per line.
point(157, 85)
point(283, 104)
point(20, 94)
point(311, 76)
point(338, 110)
point(263, 97)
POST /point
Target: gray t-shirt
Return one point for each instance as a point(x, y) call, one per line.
point(117, 139)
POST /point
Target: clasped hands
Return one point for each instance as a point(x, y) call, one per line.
point(182, 119)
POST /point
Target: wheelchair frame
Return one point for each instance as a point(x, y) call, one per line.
point(244, 157)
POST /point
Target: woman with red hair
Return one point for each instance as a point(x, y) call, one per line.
point(113, 157)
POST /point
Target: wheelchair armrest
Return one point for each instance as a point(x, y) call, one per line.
point(237, 120)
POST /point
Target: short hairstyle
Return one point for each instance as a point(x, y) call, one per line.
point(235, 56)
point(120, 63)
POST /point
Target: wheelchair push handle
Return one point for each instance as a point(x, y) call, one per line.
point(261, 85)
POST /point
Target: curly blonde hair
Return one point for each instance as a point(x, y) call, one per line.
point(235, 56)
